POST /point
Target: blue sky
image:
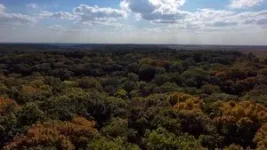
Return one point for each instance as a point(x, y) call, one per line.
point(228, 22)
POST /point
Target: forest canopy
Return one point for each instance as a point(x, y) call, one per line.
point(129, 100)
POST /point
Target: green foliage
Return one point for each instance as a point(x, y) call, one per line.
point(161, 139)
point(29, 114)
point(103, 143)
point(115, 128)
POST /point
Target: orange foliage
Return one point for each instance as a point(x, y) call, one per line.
point(60, 134)
point(187, 103)
point(232, 112)
point(7, 106)
point(240, 110)
point(261, 138)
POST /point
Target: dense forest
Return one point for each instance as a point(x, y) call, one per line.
point(132, 100)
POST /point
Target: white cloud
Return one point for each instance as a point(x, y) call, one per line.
point(14, 17)
point(256, 18)
point(138, 6)
point(169, 12)
point(168, 5)
point(95, 14)
point(57, 15)
point(210, 17)
point(32, 5)
point(244, 3)
point(88, 15)
point(2, 8)
point(160, 11)
point(211, 14)
point(262, 21)
point(222, 20)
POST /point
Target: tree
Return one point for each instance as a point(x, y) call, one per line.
point(8, 120)
point(29, 114)
point(147, 72)
point(161, 139)
point(117, 127)
point(102, 143)
point(56, 134)
point(261, 138)
point(8, 106)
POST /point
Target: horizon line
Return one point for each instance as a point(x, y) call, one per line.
point(164, 44)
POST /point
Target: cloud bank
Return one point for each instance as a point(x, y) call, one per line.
point(14, 17)
point(133, 20)
point(244, 3)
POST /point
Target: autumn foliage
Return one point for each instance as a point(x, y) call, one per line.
point(58, 134)
point(243, 118)
point(242, 111)
point(187, 103)
point(7, 106)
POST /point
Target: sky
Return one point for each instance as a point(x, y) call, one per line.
point(216, 22)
